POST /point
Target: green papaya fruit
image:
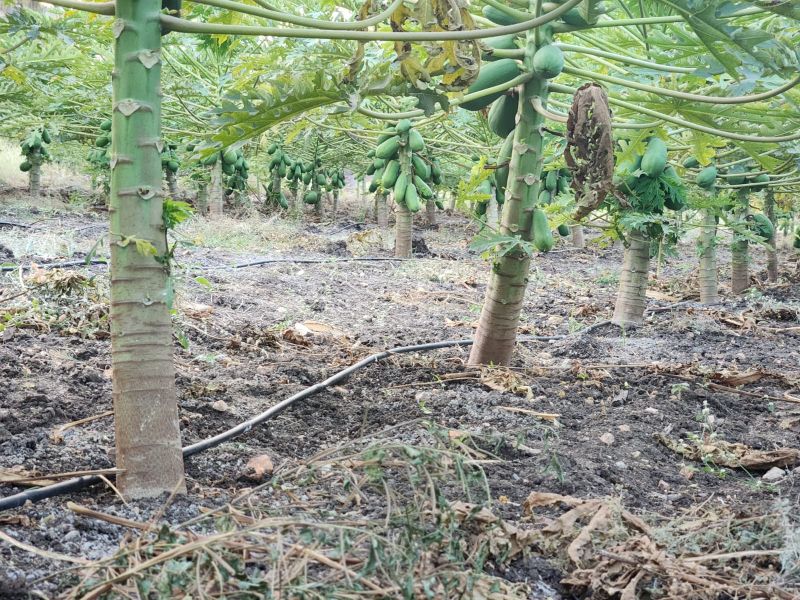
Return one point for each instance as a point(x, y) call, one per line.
point(548, 62)
point(282, 200)
point(228, 169)
point(562, 185)
point(411, 198)
point(271, 148)
point(423, 188)
point(106, 125)
point(173, 166)
point(421, 168)
point(46, 136)
point(761, 181)
point(563, 230)
point(495, 15)
point(503, 114)
point(403, 126)
point(551, 181)
point(707, 177)
point(400, 187)
point(25, 166)
point(388, 148)
point(544, 198)
point(738, 173)
point(654, 160)
point(415, 141)
point(762, 226)
point(542, 236)
point(501, 174)
point(502, 42)
point(390, 174)
point(691, 163)
point(307, 177)
point(490, 75)
point(101, 142)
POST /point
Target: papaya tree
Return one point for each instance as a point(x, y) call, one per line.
point(34, 152)
point(170, 163)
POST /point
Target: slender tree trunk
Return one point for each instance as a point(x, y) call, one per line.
point(451, 203)
point(381, 209)
point(172, 184)
point(707, 278)
point(430, 213)
point(492, 212)
point(403, 229)
point(404, 222)
point(577, 236)
point(631, 297)
point(335, 203)
point(659, 258)
point(740, 258)
point(216, 200)
point(497, 326)
point(202, 198)
point(146, 423)
point(35, 174)
point(319, 207)
point(772, 252)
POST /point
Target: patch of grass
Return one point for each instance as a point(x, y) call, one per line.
point(255, 233)
point(607, 278)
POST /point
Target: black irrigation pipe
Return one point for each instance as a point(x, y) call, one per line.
point(78, 483)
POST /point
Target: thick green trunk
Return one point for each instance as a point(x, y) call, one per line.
point(578, 240)
point(772, 253)
point(497, 326)
point(740, 256)
point(35, 174)
point(145, 409)
point(216, 193)
point(631, 297)
point(707, 249)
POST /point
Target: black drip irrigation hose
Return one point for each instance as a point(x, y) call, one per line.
point(78, 483)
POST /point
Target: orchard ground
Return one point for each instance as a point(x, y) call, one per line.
point(588, 417)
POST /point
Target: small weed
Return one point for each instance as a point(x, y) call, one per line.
point(607, 278)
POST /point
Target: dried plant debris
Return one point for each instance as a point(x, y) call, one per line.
point(368, 519)
point(710, 449)
point(610, 553)
point(590, 148)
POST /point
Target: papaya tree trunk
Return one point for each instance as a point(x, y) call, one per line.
point(740, 258)
point(631, 297)
point(172, 184)
point(216, 199)
point(404, 222)
point(772, 251)
point(492, 212)
point(430, 213)
point(451, 203)
point(319, 207)
point(292, 199)
point(497, 326)
point(707, 250)
point(146, 424)
point(35, 174)
point(577, 236)
point(403, 228)
point(202, 198)
point(335, 203)
point(381, 210)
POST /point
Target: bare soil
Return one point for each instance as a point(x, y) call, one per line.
point(611, 392)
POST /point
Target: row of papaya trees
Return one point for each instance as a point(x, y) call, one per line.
point(532, 67)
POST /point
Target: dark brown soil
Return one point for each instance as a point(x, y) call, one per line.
point(622, 383)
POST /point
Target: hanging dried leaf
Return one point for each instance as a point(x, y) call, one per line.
point(590, 148)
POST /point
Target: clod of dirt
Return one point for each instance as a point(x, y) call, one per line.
point(258, 468)
point(419, 247)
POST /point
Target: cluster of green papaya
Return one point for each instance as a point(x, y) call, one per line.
point(236, 167)
point(100, 155)
point(34, 150)
point(408, 176)
point(169, 158)
point(556, 181)
point(650, 183)
point(335, 179)
point(582, 16)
